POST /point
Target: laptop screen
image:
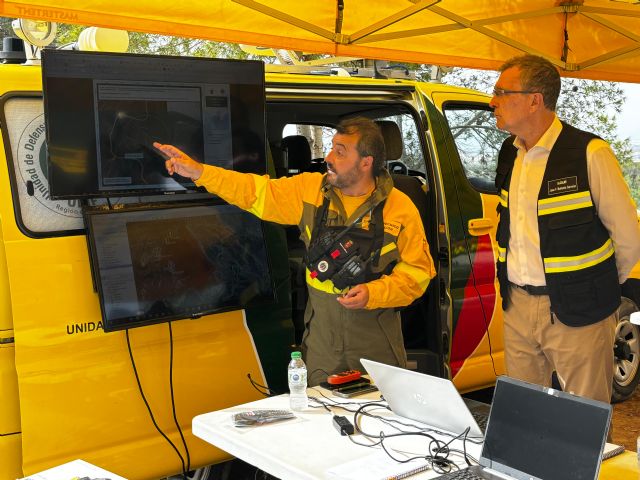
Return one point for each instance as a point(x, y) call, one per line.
point(542, 433)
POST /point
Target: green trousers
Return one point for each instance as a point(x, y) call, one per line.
point(336, 338)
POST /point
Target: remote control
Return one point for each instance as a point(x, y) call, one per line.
point(343, 377)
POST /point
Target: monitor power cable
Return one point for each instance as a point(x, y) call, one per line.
point(173, 400)
point(144, 399)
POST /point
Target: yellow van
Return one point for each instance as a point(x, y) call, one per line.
point(68, 389)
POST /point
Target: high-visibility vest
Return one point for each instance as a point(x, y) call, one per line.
point(576, 249)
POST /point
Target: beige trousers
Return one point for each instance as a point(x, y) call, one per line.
point(536, 345)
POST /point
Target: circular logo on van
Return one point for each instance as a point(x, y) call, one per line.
point(32, 158)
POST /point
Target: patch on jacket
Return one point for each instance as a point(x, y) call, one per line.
point(562, 185)
point(392, 228)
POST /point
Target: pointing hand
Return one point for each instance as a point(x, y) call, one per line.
point(179, 162)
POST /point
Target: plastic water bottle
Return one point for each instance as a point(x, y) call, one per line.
point(298, 399)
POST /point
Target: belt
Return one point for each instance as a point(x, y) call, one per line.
point(532, 289)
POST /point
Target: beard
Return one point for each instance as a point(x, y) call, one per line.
point(344, 179)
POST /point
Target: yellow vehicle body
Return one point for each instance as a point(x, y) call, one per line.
point(67, 388)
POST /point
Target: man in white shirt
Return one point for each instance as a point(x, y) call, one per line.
point(568, 236)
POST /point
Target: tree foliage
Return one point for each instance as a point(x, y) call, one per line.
point(590, 105)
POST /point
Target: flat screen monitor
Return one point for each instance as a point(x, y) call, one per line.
point(158, 263)
point(103, 111)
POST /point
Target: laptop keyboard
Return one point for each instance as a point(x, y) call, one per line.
point(460, 475)
point(481, 419)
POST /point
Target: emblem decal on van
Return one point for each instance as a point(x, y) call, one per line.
point(32, 157)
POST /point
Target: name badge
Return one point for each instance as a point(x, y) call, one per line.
point(562, 185)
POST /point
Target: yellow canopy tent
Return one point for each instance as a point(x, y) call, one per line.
point(597, 39)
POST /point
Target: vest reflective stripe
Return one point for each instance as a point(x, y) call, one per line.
point(579, 262)
point(327, 286)
point(502, 254)
point(504, 198)
point(307, 230)
point(388, 248)
point(261, 192)
point(564, 203)
point(418, 275)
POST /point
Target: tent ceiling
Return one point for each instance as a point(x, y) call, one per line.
point(598, 39)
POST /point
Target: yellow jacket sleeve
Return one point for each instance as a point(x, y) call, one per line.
point(411, 275)
point(278, 200)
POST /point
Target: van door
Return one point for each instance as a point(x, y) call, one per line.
point(468, 154)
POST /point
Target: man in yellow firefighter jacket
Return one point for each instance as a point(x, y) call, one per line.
point(351, 307)
point(568, 236)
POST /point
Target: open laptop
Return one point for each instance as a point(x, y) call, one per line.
point(427, 399)
point(537, 433)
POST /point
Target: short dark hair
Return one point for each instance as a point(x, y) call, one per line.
point(370, 143)
point(538, 75)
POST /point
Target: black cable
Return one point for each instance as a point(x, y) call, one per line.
point(268, 391)
point(173, 401)
point(486, 326)
point(438, 450)
point(144, 399)
point(391, 421)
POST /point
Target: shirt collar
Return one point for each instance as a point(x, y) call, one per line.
point(548, 138)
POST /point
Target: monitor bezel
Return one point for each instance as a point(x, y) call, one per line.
point(50, 54)
point(126, 323)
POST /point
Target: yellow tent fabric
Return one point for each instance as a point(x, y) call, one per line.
point(597, 39)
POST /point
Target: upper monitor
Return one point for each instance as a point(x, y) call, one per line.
point(103, 112)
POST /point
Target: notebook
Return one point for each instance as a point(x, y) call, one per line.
point(537, 433)
point(427, 399)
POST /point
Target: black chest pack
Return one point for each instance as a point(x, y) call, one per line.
point(345, 254)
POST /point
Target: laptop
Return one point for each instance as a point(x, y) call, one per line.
point(424, 398)
point(538, 433)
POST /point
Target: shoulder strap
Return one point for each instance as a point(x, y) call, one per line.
point(506, 159)
point(377, 226)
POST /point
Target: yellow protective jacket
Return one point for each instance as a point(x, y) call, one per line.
point(294, 201)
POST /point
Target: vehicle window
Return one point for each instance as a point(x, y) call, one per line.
point(318, 136)
point(478, 141)
point(404, 152)
point(405, 157)
point(26, 131)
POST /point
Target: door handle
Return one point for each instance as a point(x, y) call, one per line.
point(480, 226)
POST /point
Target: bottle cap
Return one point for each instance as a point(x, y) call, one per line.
point(296, 355)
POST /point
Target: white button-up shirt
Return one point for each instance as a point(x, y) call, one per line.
point(610, 194)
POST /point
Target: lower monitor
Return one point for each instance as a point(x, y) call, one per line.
point(169, 261)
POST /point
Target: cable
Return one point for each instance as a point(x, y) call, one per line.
point(486, 326)
point(144, 399)
point(439, 451)
point(268, 393)
point(173, 401)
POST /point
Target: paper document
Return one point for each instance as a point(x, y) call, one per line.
point(611, 450)
point(378, 466)
point(77, 469)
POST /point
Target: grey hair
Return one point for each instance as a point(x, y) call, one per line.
point(537, 74)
